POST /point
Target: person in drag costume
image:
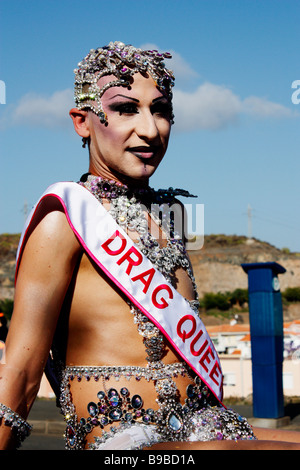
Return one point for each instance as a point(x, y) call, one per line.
point(106, 301)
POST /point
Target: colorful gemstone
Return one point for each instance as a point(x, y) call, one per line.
point(136, 402)
point(106, 186)
point(146, 419)
point(112, 392)
point(128, 417)
point(88, 427)
point(102, 409)
point(71, 436)
point(104, 421)
point(92, 408)
point(174, 423)
point(190, 391)
point(101, 395)
point(114, 401)
point(116, 414)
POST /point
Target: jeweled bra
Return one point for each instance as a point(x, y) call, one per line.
point(172, 420)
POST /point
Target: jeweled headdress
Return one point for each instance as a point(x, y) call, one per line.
point(122, 61)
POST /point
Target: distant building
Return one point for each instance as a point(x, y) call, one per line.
point(233, 343)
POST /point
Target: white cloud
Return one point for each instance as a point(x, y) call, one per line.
point(264, 108)
point(41, 111)
point(209, 107)
point(216, 107)
point(182, 70)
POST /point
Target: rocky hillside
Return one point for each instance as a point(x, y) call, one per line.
point(217, 266)
point(8, 249)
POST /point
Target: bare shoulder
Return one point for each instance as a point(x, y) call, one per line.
point(49, 238)
point(50, 218)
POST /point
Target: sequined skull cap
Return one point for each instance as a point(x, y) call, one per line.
point(122, 61)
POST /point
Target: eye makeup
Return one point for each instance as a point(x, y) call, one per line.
point(123, 107)
point(130, 105)
point(162, 107)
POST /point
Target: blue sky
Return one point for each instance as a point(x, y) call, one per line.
point(236, 136)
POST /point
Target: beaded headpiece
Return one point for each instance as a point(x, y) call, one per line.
point(122, 61)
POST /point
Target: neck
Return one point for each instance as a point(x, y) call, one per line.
point(119, 178)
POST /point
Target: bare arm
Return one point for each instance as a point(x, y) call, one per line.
point(46, 268)
point(282, 435)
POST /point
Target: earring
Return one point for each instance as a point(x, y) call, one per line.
point(85, 140)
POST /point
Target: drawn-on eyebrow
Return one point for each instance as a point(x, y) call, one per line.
point(159, 99)
point(124, 96)
point(136, 100)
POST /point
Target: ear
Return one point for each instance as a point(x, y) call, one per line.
point(80, 122)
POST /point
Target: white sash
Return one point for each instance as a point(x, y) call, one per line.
point(116, 254)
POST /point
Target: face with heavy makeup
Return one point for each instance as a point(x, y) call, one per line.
point(131, 145)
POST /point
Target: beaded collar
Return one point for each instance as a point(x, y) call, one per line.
point(110, 189)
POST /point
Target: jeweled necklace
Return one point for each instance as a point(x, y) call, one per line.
point(111, 189)
point(128, 207)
